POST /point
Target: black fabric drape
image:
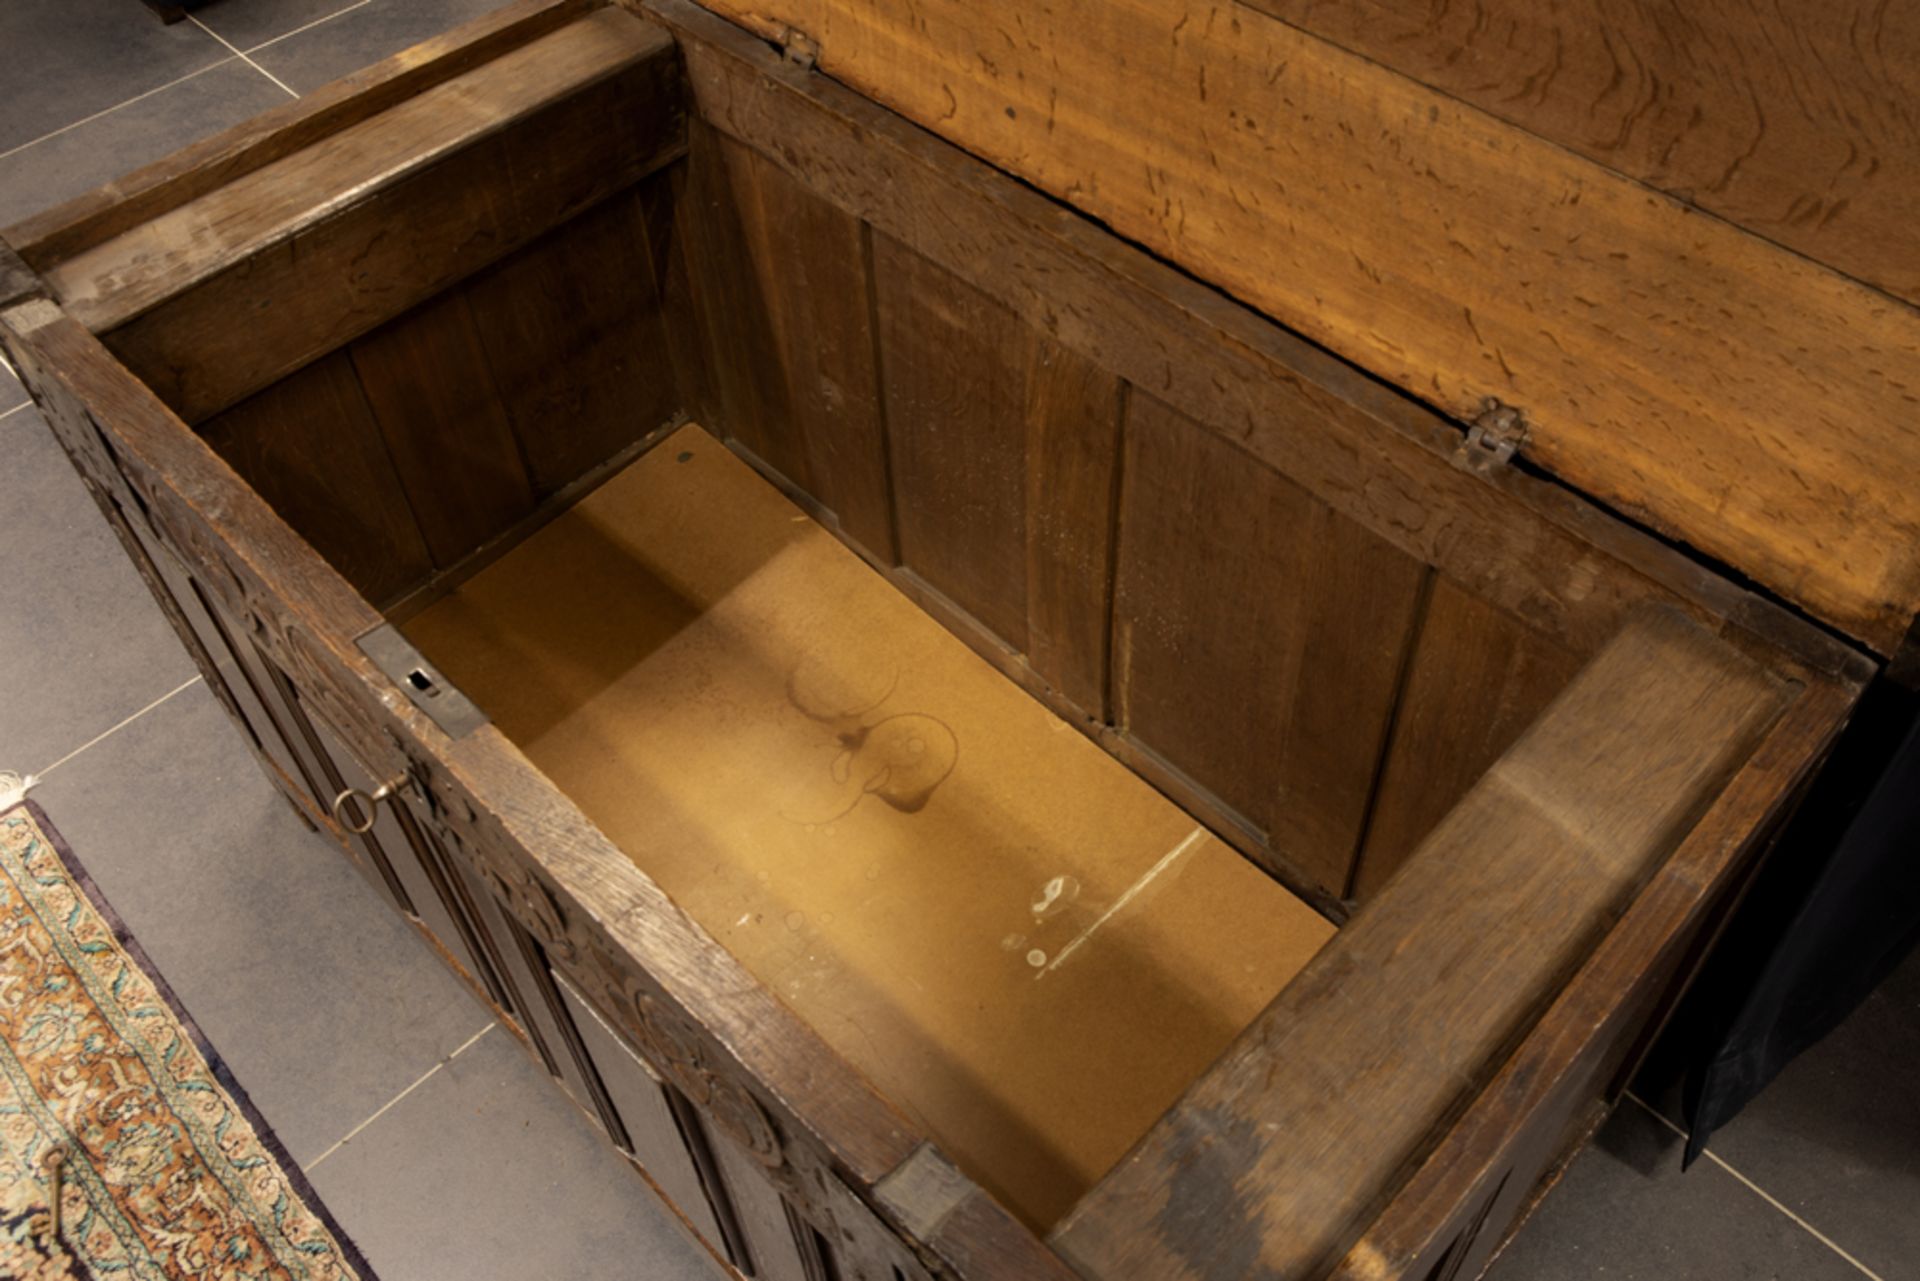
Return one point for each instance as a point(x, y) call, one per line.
point(1833, 912)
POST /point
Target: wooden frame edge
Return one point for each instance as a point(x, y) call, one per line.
point(53, 235)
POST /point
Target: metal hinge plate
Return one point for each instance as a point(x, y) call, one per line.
point(430, 691)
point(799, 48)
point(1493, 439)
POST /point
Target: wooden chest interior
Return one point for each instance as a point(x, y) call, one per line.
point(1038, 760)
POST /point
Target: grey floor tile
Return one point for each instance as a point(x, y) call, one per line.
point(84, 646)
point(66, 59)
point(12, 394)
point(354, 40)
point(1625, 1212)
point(63, 166)
point(247, 24)
point(324, 1002)
point(485, 1171)
point(1836, 1137)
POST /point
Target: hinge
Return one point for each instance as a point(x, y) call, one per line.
point(425, 686)
point(799, 48)
point(1493, 439)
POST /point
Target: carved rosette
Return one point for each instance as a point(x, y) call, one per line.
point(678, 1051)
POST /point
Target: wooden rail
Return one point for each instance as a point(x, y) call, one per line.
point(223, 294)
point(1280, 1155)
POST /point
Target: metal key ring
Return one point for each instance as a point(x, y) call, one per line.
point(369, 806)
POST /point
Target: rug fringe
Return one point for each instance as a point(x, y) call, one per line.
point(14, 788)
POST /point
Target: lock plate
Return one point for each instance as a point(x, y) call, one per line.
point(425, 684)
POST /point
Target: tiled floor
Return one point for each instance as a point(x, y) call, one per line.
point(434, 1141)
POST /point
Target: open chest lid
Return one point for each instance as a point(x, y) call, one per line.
point(1696, 315)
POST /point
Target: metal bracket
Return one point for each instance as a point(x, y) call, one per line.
point(424, 684)
point(799, 48)
point(1493, 439)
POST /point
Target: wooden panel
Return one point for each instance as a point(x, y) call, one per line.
point(330, 241)
point(371, 850)
point(1734, 394)
point(956, 420)
point(663, 199)
point(1583, 1048)
point(431, 390)
point(1788, 119)
point(1525, 544)
point(1257, 637)
point(653, 1136)
point(432, 895)
point(1004, 448)
point(309, 445)
point(1073, 416)
point(108, 210)
point(1479, 678)
point(749, 386)
point(207, 638)
point(777, 1246)
point(537, 1004)
point(573, 331)
point(810, 266)
point(1409, 1010)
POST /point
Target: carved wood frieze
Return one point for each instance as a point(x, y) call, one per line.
point(671, 1042)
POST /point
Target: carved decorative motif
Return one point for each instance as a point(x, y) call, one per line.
point(196, 548)
point(520, 888)
point(671, 1043)
point(678, 1051)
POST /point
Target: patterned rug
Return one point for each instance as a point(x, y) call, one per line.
point(165, 1169)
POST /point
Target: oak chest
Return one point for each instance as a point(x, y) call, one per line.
point(966, 750)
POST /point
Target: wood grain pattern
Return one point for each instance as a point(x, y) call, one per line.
point(1257, 637)
point(1073, 413)
point(1363, 1059)
point(810, 267)
point(1793, 120)
point(957, 423)
point(1526, 545)
point(743, 357)
point(574, 335)
point(1581, 1051)
point(662, 198)
point(427, 380)
point(1004, 450)
point(1479, 679)
point(1728, 392)
point(330, 241)
point(309, 445)
point(114, 207)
